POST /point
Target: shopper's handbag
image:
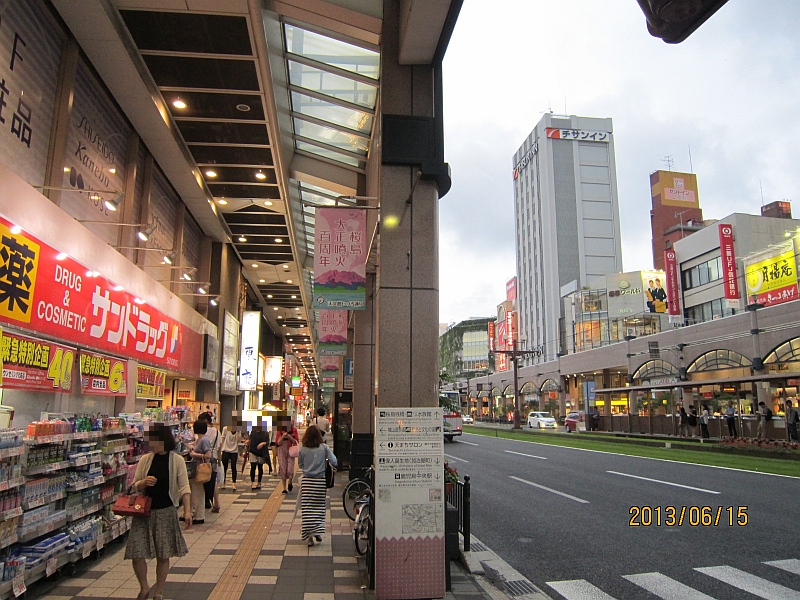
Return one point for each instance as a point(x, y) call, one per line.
point(132, 505)
point(294, 451)
point(204, 472)
point(191, 469)
point(330, 474)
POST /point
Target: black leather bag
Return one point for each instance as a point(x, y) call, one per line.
point(330, 474)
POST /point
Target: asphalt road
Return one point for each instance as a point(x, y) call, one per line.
point(561, 514)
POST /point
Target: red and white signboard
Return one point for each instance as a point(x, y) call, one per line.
point(577, 134)
point(46, 291)
point(491, 335)
point(38, 365)
point(511, 289)
point(673, 289)
point(103, 375)
point(511, 328)
point(728, 254)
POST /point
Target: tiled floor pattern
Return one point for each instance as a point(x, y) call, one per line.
point(255, 536)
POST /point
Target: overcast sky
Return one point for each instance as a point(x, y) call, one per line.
point(731, 92)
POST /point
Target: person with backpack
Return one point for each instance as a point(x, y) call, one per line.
point(765, 414)
point(792, 419)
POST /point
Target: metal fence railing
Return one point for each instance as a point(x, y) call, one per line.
point(459, 497)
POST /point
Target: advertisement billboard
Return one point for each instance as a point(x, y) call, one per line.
point(675, 189)
point(673, 286)
point(655, 294)
point(36, 365)
point(340, 259)
point(771, 276)
point(103, 375)
point(248, 350)
point(728, 254)
point(273, 369)
point(332, 332)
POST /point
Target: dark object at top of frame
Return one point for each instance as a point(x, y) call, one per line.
point(675, 20)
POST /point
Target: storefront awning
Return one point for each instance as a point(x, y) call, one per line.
point(700, 382)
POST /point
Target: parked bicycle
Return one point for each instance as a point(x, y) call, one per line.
point(362, 531)
point(355, 489)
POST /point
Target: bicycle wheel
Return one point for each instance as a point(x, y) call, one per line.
point(362, 532)
point(351, 493)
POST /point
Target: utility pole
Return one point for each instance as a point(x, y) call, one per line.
point(515, 354)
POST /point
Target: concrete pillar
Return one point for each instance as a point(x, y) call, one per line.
point(361, 448)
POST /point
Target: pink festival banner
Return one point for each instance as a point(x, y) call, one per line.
point(340, 259)
point(332, 332)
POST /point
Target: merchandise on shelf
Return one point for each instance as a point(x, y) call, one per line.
point(46, 455)
point(13, 566)
point(11, 438)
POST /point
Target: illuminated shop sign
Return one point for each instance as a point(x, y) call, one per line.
point(580, 135)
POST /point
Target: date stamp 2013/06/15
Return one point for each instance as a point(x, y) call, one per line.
point(694, 516)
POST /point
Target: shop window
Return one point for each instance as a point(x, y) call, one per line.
point(785, 353)
point(716, 360)
point(655, 368)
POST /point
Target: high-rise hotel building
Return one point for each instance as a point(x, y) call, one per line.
point(567, 222)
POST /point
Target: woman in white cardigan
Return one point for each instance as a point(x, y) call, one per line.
point(162, 476)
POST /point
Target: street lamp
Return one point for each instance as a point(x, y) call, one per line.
point(515, 353)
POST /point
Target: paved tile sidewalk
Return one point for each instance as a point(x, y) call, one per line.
point(284, 569)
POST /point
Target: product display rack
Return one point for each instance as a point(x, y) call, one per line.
point(49, 525)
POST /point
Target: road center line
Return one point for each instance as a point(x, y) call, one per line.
point(547, 489)
point(687, 487)
point(528, 455)
point(455, 458)
point(467, 443)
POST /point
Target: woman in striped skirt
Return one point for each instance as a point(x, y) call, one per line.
point(313, 455)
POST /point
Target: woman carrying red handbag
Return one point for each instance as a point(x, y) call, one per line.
point(287, 438)
point(161, 475)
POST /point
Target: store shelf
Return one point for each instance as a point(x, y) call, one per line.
point(135, 459)
point(11, 484)
point(12, 540)
point(42, 530)
point(44, 500)
point(83, 512)
point(10, 514)
point(82, 485)
point(116, 474)
point(64, 464)
point(9, 452)
point(49, 439)
point(85, 460)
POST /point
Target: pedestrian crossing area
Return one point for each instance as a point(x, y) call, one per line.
point(664, 587)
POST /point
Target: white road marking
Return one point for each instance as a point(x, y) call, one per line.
point(792, 565)
point(467, 443)
point(579, 589)
point(750, 583)
point(455, 458)
point(687, 487)
point(668, 460)
point(547, 489)
point(665, 587)
point(528, 455)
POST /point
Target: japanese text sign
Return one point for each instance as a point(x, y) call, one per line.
point(103, 375)
point(728, 255)
point(332, 332)
point(273, 369)
point(48, 292)
point(150, 383)
point(773, 280)
point(248, 350)
point(511, 289)
point(673, 290)
point(340, 259)
point(577, 134)
point(490, 332)
point(31, 364)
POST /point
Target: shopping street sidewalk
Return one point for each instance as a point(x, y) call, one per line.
point(250, 550)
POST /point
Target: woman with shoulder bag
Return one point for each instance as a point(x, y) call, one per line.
point(259, 448)
point(313, 486)
point(285, 440)
point(212, 491)
point(161, 475)
point(201, 452)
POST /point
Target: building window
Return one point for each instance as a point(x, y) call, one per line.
point(702, 274)
point(707, 311)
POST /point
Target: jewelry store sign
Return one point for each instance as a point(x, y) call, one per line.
point(409, 503)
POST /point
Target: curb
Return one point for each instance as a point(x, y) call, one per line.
point(499, 579)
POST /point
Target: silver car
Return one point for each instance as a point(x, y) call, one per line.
point(541, 420)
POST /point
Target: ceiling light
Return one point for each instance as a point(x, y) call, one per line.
point(112, 170)
point(294, 297)
point(169, 258)
point(274, 308)
point(267, 202)
point(213, 302)
point(178, 103)
point(222, 201)
point(202, 290)
point(297, 308)
point(145, 234)
point(242, 238)
point(211, 173)
point(285, 266)
point(288, 281)
point(138, 301)
point(255, 265)
point(114, 202)
point(61, 256)
point(278, 240)
point(268, 295)
point(187, 277)
point(263, 281)
point(260, 175)
point(118, 288)
point(242, 107)
point(280, 317)
point(16, 229)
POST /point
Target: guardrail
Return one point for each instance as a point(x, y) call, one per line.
point(459, 497)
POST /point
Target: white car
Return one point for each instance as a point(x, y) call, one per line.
point(466, 419)
point(541, 420)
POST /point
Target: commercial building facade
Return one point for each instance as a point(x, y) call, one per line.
point(566, 220)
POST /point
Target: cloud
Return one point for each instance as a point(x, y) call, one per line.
point(729, 92)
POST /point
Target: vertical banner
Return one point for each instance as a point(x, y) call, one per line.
point(728, 265)
point(409, 503)
point(511, 289)
point(348, 374)
point(511, 328)
point(340, 259)
point(673, 287)
point(103, 375)
point(490, 331)
point(248, 350)
point(332, 332)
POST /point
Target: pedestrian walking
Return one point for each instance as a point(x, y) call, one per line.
point(229, 450)
point(286, 438)
point(764, 415)
point(792, 419)
point(313, 455)
point(730, 418)
point(323, 424)
point(693, 420)
point(704, 416)
point(161, 475)
point(259, 448)
point(200, 453)
point(684, 422)
point(212, 491)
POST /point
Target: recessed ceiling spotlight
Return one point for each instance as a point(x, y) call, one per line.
point(288, 281)
point(260, 175)
point(242, 107)
point(118, 288)
point(211, 173)
point(222, 201)
point(268, 295)
point(61, 256)
point(268, 203)
point(255, 265)
point(278, 240)
point(297, 308)
point(202, 290)
point(262, 281)
point(16, 229)
point(274, 308)
point(112, 170)
point(285, 266)
point(280, 317)
point(178, 103)
point(242, 238)
point(294, 297)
